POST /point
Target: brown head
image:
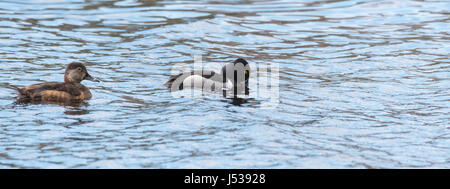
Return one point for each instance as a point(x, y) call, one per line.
point(77, 72)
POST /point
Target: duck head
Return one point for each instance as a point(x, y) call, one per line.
point(238, 71)
point(77, 72)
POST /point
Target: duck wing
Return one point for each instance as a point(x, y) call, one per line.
point(178, 79)
point(36, 91)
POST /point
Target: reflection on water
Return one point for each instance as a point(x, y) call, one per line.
point(25, 102)
point(76, 112)
point(238, 101)
point(363, 84)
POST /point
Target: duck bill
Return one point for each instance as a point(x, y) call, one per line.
point(90, 78)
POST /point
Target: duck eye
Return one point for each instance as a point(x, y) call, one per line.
point(79, 69)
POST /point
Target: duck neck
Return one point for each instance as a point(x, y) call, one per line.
point(69, 80)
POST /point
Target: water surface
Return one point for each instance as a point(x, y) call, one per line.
point(362, 84)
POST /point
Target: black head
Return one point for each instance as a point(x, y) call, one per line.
point(240, 60)
point(234, 71)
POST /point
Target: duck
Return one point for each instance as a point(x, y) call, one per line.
point(239, 73)
point(69, 90)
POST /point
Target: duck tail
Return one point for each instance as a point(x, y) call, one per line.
point(168, 84)
point(22, 97)
point(21, 91)
point(15, 88)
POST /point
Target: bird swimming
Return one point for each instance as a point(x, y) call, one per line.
point(69, 90)
point(232, 75)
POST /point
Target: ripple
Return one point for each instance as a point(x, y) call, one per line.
point(363, 84)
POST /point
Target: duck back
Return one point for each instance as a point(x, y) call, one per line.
point(54, 91)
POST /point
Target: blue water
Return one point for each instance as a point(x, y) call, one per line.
point(362, 84)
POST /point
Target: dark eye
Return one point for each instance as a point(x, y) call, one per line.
point(79, 69)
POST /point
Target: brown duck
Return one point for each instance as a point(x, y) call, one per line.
point(69, 90)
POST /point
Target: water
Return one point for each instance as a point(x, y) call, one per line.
point(362, 84)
